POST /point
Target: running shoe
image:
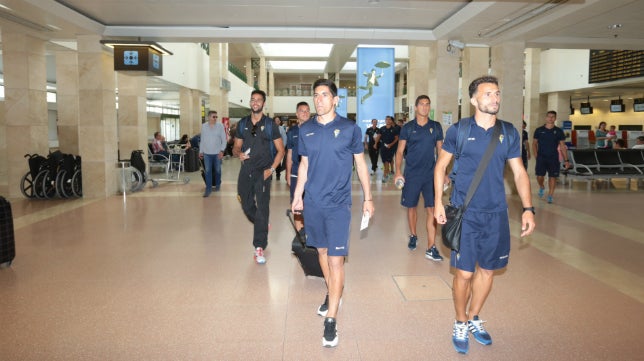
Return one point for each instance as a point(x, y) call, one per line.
point(330, 338)
point(412, 242)
point(433, 254)
point(259, 255)
point(459, 337)
point(324, 308)
point(549, 199)
point(480, 335)
point(541, 192)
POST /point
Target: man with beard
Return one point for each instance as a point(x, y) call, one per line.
point(253, 139)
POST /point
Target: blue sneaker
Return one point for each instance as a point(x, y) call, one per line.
point(541, 192)
point(433, 254)
point(459, 337)
point(412, 242)
point(480, 335)
point(549, 199)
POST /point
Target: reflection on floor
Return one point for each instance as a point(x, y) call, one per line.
point(165, 274)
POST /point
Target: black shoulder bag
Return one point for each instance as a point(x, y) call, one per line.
point(451, 230)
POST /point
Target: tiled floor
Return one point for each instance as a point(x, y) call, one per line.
point(165, 274)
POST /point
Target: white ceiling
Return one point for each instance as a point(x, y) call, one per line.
point(345, 23)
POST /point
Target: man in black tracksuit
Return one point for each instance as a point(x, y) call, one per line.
point(253, 147)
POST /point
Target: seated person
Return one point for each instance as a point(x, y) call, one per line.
point(185, 142)
point(157, 145)
point(640, 143)
point(619, 144)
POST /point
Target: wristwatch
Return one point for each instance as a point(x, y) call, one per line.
point(272, 170)
point(531, 209)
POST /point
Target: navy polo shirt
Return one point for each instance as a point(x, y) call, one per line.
point(490, 194)
point(330, 149)
point(292, 137)
point(421, 146)
point(548, 140)
point(387, 135)
point(261, 157)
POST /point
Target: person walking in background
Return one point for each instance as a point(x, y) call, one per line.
point(282, 165)
point(525, 146)
point(253, 147)
point(372, 146)
point(387, 139)
point(303, 113)
point(330, 145)
point(548, 141)
point(485, 234)
point(423, 139)
point(211, 150)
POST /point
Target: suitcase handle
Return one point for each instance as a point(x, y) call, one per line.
point(290, 214)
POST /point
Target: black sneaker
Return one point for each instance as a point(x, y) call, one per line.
point(433, 254)
point(324, 308)
point(330, 338)
point(412, 242)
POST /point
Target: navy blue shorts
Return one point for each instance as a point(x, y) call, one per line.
point(485, 239)
point(386, 154)
point(549, 164)
point(328, 228)
point(412, 190)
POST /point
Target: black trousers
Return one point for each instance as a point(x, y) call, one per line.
point(373, 155)
point(255, 194)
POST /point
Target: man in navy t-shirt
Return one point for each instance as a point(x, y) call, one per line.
point(485, 233)
point(387, 139)
point(330, 145)
point(547, 141)
point(422, 138)
point(303, 113)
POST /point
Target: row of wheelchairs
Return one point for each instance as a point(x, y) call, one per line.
point(57, 175)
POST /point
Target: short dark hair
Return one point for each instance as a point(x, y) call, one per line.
point(300, 104)
point(474, 85)
point(552, 112)
point(326, 82)
point(211, 112)
point(421, 97)
point(260, 92)
point(156, 133)
point(621, 142)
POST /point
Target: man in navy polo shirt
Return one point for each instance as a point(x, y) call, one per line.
point(485, 234)
point(545, 143)
point(329, 145)
point(423, 138)
point(303, 113)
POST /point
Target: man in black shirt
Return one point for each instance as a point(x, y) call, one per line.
point(253, 147)
point(370, 144)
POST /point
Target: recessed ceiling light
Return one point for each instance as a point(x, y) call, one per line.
point(5, 7)
point(614, 26)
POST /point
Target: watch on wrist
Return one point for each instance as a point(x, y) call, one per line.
point(531, 209)
point(272, 170)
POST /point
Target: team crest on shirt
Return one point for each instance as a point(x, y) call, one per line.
point(431, 130)
point(501, 138)
point(336, 132)
point(262, 128)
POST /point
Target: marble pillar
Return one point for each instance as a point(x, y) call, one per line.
point(418, 75)
point(132, 112)
point(533, 114)
point(508, 66)
point(445, 85)
point(218, 71)
point(476, 63)
point(190, 111)
point(98, 126)
point(67, 101)
point(270, 93)
point(25, 105)
point(3, 152)
point(263, 81)
point(559, 102)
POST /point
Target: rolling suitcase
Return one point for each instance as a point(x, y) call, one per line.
point(308, 256)
point(191, 160)
point(7, 241)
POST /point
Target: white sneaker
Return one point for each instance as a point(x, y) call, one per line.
point(259, 255)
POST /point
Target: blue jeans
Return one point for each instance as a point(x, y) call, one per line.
point(210, 161)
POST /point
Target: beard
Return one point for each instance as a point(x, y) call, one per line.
point(488, 110)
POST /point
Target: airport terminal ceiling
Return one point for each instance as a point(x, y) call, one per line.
point(565, 24)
